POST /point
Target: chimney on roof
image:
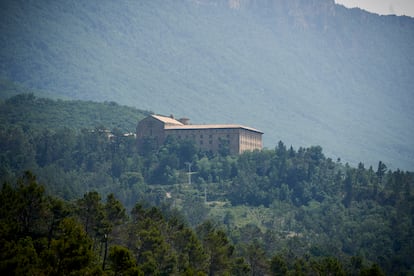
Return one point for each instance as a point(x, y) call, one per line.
point(184, 121)
point(171, 116)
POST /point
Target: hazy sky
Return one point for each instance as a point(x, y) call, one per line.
point(399, 7)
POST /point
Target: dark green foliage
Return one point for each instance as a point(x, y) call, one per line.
point(71, 250)
point(50, 240)
point(222, 260)
point(191, 254)
point(24, 208)
point(122, 261)
point(115, 213)
point(342, 210)
point(91, 213)
point(278, 266)
point(374, 270)
point(257, 259)
point(37, 236)
point(329, 266)
point(162, 246)
point(19, 257)
point(28, 111)
point(152, 252)
point(16, 151)
point(312, 212)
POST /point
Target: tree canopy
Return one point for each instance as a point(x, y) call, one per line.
point(132, 212)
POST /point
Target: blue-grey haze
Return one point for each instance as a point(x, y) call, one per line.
point(304, 72)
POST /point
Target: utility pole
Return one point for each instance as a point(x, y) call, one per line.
point(189, 172)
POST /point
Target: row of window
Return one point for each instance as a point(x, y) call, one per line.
point(202, 136)
point(210, 142)
point(250, 138)
point(251, 143)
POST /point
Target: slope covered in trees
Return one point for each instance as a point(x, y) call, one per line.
point(30, 112)
point(299, 209)
point(44, 235)
point(314, 71)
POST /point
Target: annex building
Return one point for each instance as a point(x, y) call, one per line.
point(236, 138)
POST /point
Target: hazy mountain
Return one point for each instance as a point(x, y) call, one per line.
point(305, 72)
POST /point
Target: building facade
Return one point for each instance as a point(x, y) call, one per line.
point(235, 138)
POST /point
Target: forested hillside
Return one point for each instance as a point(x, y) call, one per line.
point(305, 72)
point(37, 114)
point(44, 235)
point(274, 211)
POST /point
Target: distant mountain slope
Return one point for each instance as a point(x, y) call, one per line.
point(37, 114)
point(305, 72)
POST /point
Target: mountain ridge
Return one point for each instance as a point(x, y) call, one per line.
point(307, 73)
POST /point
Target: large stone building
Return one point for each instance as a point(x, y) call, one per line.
point(235, 138)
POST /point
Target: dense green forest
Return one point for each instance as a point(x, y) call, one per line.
point(34, 113)
point(44, 235)
point(275, 211)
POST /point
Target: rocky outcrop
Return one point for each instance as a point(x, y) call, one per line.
point(303, 14)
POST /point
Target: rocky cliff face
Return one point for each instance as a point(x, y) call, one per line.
point(303, 14)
